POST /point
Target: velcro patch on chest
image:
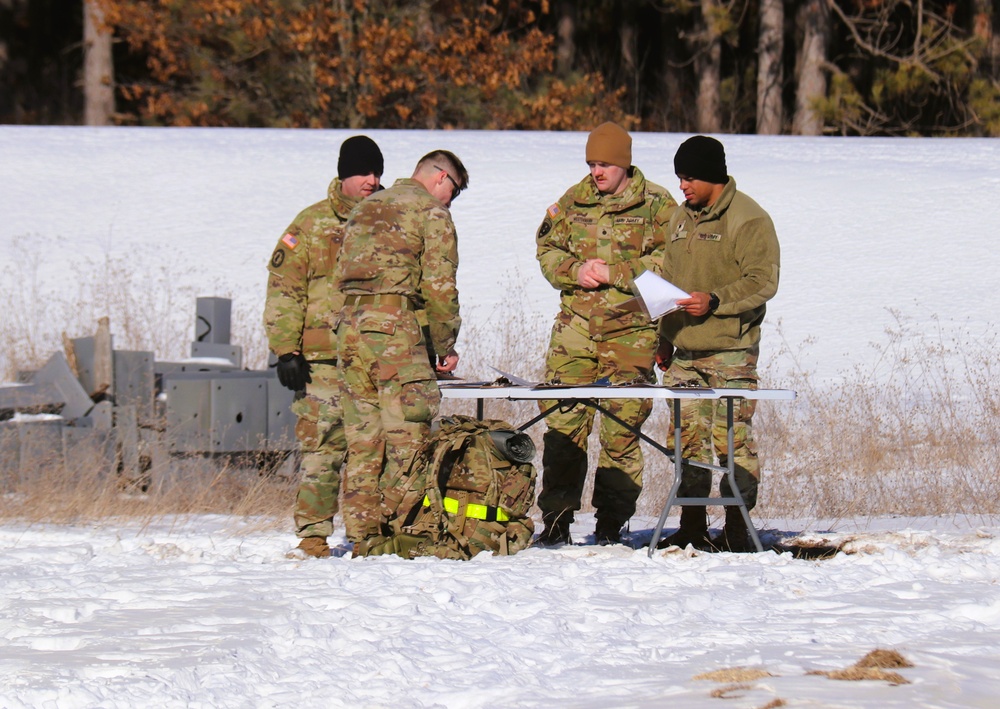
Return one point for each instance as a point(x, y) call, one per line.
point(584, 221)
point(290, 240)
point(629, 220)
point(709, 237)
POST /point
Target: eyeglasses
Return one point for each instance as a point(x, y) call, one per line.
point(456, 190)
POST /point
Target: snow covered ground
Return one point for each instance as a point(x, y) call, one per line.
point(199, 613)
point(207, 611)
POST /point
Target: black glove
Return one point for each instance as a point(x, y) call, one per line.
point(293, 371)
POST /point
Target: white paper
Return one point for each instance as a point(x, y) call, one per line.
point(657, 296)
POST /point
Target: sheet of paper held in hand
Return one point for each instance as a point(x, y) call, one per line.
point(654, 295)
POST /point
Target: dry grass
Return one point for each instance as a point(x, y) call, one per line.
point(147, 309)
point(89, 489)
point(876, 665)
point(734, 675)
point(910, 434)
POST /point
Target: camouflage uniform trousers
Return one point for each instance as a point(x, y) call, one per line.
point(703, 421)
point(576, 358)
point(320, 431)
point(390, 396)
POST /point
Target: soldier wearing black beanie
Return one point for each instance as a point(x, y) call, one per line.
point(723, 251)
point(702, 158)
point(359, 155)
point(300, 304)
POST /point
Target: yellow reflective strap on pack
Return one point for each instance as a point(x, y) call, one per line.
point(471, 510)
point(481, 511)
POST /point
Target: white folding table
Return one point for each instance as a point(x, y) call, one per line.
point(592, 396)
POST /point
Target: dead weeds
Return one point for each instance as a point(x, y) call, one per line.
point(873, 666)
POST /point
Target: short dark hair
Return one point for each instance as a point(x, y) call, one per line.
point(451, 160)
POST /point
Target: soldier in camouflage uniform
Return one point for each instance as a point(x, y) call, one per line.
point(723, 250)
point(602, 233)
point(300, 317)
point(400, 257)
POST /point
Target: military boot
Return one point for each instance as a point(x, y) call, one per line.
point(315, 547)
point(693, 531)
point(556, 529)
point(607, 532)
point(735, 536)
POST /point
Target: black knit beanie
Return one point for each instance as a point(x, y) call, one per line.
point(359, 156)
point(702, 158)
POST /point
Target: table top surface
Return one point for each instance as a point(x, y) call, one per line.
point(459, 389)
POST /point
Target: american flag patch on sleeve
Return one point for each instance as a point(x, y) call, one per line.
point(554, 210)
point(289, 240)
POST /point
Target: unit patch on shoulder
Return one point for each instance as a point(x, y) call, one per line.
point(289, 240)
point(278, 258)
point(554, 211)
point(544, 229)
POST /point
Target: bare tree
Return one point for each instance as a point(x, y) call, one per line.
point(707, 67)
point(672, 108)
point(813, 23)
point(984, 22)
point(770, 74)
point(565, 34)
point(917, 62)
point(628, 37)
point(98, 68)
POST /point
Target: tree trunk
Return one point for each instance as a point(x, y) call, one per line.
point(770, 75)
point(814, 28)
point(628, 36)
point(707, 68)
point(98, 69)
point(984, 22)
point(671, 113)
point(349, 21)
point(566, 37)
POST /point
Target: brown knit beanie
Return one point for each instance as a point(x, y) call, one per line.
point(610, 143)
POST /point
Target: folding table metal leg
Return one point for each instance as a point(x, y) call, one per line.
point(678, 458)
point(730, 472)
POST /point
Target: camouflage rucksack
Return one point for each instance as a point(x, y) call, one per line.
point(468, 489)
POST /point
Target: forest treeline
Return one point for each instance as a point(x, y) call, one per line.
point(804, 67)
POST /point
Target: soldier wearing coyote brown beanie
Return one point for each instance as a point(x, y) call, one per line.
point(591, 244)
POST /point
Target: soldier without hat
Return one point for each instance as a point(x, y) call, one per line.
point(399, 257)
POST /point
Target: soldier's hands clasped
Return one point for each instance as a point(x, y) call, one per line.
point(293, 371)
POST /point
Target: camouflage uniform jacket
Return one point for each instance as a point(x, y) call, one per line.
point(403, 241)
point(302, 305)
point(626, 230)
point(730, 249)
